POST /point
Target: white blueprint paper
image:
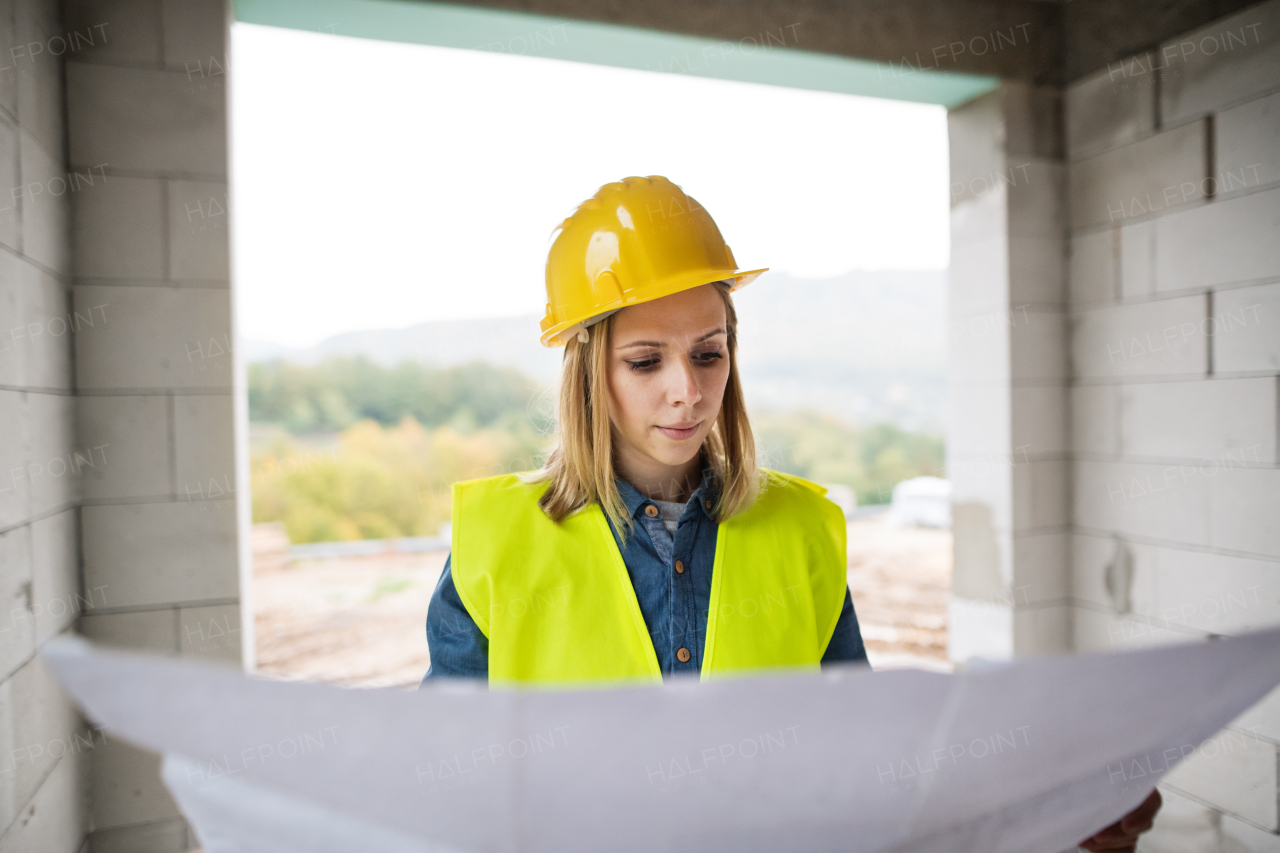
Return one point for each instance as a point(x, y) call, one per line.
point(1030, 756)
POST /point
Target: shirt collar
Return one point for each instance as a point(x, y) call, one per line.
point(631, 497)
point(707, 492)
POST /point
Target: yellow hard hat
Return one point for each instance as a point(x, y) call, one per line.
point(634, 241)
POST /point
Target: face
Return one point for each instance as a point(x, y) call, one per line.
point(668, 367)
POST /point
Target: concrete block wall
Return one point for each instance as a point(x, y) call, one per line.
point(1174, 285)
point(1007, 440)
point(147, 114)
point(46, 749)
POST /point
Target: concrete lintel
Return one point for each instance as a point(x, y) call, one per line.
point(775, 44)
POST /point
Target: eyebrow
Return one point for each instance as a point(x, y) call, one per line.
point(710, 334)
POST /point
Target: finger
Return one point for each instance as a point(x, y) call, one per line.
point(1108, 845)
point(1109, 842)
point(1124, 833)
point(1111, 832)
point(1136, 829)
point(1144, 815)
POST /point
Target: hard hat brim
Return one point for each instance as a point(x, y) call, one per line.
point(560, 333)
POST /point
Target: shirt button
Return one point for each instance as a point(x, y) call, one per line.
point(707, 504)
point(679, 567)
point(651, 510)
point(683, 655)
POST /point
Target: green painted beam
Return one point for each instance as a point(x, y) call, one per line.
point(761, 59)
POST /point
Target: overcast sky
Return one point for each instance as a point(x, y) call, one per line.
point(380, 185)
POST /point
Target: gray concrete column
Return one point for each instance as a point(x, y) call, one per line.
point(1007, 417)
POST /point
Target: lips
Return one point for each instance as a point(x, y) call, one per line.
point(679, 432)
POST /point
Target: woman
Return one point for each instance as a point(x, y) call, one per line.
point(650, 544)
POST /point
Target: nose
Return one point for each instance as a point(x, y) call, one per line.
point(683, 386)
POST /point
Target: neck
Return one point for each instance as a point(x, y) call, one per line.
point(661, 482)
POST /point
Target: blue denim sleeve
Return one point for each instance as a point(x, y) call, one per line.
point(846, 643)
point(458, 647)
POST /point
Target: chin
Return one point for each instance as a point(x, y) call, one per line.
point(674, 455)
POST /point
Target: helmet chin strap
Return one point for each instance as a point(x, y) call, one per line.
point(582, 334)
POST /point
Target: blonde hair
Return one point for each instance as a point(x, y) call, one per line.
point(580, 467)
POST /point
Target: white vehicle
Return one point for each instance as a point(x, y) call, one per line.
point(921, 502)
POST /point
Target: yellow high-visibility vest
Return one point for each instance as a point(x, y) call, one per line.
point(559, 609)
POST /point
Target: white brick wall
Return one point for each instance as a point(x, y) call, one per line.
point(119, 231)
point(1092, 268)
point(1194, 593)
point(1238, 835)
point(1095, 419)
point(1041, 491)
point(1243, 505)
point(1153, 501)
point(1135, 248)
point(148, 120)
point(1175, 348)
point(10, 223)
point(134, 434)
point(1231, 241)
point(1038, 345)
point(145, 630)
point(45, 748)
point(1151, 175)
point(55, 816)
point(55, 584)
point(1247, 338)
point(1220, 65)
point(1039, 421)
point(198, 231)
point(1249, 143)
point(1110, 108)
point(204, 447)
point(1187, 825)
point(1231, 421)
point(127, 791)
point(1161, 338)
point(1199, 505)
point(160, 553)
point(155, 370)
point(154, 338)
point(1234, 771)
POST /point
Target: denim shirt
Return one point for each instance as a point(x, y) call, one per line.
point(674, 604)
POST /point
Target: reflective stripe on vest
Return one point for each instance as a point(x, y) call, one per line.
point(558, 607)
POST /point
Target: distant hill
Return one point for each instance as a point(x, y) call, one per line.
point(865, 346)
point(503, 340)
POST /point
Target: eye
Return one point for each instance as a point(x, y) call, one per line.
point(707, 358)
point(643, 365)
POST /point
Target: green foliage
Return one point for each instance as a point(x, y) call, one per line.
point(871, 460)
point(408, 433)
point(377, 482)
point(334, 394)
